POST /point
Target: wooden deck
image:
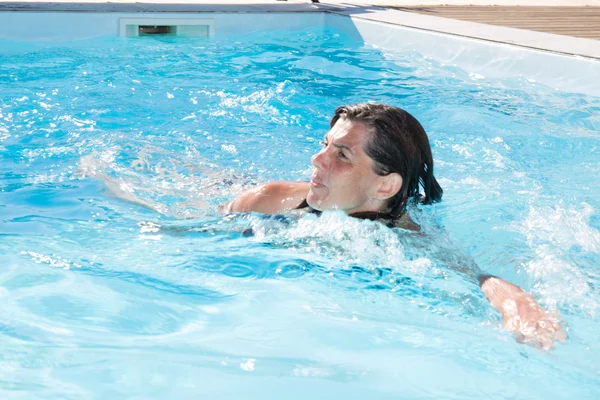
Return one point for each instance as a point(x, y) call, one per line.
point(577, 21)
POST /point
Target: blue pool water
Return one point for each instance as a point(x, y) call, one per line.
point(163, 298)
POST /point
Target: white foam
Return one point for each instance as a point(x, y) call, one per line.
point(148, 227)
point(562, 227)
point(345, 239)
point(307, 371)
point(248, 365)
point(55, 261)
point(552, 232)
point(558, 280)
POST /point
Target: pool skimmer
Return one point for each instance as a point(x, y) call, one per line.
point(166, 26)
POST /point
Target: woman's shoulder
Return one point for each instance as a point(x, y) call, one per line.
point(406, 222)
point(287, 187)
point(270, 198)
point(285, 195)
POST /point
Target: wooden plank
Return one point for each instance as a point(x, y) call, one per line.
point(577, 21)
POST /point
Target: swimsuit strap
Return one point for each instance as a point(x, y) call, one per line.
point(304, 206)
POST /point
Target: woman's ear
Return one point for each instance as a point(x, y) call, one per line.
point(389, 185)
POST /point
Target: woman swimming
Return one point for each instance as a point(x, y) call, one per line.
point(374, 160)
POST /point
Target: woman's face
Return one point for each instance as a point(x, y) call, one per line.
point(343, 176)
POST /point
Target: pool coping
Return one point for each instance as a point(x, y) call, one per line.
point(541, 41)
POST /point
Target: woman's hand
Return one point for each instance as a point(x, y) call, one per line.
point(522, 315)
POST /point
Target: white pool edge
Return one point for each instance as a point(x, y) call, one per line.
point(559, 44)
point(482, 59)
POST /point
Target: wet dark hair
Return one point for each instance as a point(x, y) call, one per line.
point(397, 143)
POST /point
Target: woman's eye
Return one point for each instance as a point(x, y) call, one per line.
point(342, 156)
point(324, 144)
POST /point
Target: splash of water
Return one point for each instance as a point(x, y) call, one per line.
point(557, 235)
point(174, 188)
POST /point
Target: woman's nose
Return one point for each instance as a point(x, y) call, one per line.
point(319, 160)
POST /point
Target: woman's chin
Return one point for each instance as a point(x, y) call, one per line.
point(314, 201)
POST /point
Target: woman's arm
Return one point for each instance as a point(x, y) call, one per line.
point(269, 198)
point(521, 314)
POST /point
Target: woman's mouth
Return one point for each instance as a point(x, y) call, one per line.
point(315, 183)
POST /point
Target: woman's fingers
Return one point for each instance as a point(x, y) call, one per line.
point(539, 330)
point(559, 333)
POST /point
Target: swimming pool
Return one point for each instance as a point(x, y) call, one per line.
point(105, 298)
